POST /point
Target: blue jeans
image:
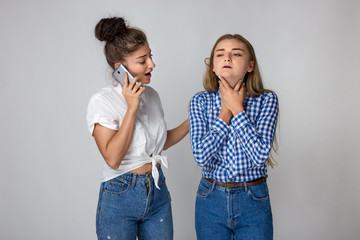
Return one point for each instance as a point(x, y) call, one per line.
point(131, 206)
point(236, 213)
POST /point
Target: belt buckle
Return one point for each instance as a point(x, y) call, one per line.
point(226, 185)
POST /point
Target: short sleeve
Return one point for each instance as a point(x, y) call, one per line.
point(100, 111)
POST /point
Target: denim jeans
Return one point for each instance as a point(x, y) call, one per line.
point(131, 206)
point(236, 213)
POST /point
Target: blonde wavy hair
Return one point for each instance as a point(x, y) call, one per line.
point(253, 80)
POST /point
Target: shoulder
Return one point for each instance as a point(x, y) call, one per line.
point(106, 96)
point(269, 100)
point(102, 93)
point(151, 96)
point(151, 91)
point(203, 96)
point(270, 96)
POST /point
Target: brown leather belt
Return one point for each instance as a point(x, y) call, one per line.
point(239, 184)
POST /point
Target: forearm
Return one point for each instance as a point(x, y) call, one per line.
point(225, 115)
point(256, 148)
point(206, 143)
point(257, 137)
point(119, 144)
point(177, 134)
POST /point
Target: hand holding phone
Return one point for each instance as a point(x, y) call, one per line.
point(119, 74)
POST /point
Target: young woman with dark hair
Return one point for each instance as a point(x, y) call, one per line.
point(127, 122)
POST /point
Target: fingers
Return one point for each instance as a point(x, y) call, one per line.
point(133, 82)
point(243, 87)
point(223, 83)
point(237, 86)
point(137, 86)
point(221, 87)
point(133, 85)
point(140, 91)
point(126, 80)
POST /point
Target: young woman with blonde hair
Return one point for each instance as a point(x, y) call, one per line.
point(232, 130)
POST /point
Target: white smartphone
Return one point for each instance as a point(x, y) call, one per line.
point(119, 74)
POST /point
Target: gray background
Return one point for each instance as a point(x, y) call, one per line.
point(51, 64)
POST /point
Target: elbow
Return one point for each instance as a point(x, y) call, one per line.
point(166, 145)
point(259, 162)
point(113, 163)
point(199, 156)
point(261, 158)
point(113, 166)
point(200, 163)
point(199, 159)
point(260, 153)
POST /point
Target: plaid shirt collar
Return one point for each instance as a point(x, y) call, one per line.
point(217, 102)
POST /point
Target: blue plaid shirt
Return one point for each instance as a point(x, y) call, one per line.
point(236, 152)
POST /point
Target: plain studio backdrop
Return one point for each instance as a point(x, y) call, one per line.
point(51, 63)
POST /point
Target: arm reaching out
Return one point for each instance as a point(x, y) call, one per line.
point(177, 134)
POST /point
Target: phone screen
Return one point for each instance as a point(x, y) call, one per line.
point(119, 74)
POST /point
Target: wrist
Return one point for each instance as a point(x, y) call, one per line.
point(131, 110)
point(225, 114)
point(237, 110)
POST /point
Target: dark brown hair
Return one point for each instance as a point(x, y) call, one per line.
point(120, 40)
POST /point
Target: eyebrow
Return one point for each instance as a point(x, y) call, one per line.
point(143, 55)
point(231, 49)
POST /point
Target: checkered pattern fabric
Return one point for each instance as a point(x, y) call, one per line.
point(236, 152)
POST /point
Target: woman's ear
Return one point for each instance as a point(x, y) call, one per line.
point(116, 65)
point(251, 66)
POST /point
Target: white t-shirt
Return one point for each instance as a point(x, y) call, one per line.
point(108, 107)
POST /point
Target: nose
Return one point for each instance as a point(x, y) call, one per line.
point(151, 64)
point(227, 58)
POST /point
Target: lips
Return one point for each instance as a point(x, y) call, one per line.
point(227, 66)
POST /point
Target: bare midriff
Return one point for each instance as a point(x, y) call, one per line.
point(144, 169)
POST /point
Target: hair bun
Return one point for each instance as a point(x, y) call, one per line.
point(108, 28)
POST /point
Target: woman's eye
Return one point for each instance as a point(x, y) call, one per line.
point(237, 54)
point(219, 55)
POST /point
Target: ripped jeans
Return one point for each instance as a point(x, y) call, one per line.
point(131, 206)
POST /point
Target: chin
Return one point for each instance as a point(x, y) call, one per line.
point(228, 77)
point(146, 82)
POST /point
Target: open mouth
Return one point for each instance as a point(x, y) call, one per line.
point(226, 67)
point(148, 74)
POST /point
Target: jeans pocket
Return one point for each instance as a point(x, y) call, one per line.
point(203, 190)
point(163, 187)
point(259, 192)
point(117, 186)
